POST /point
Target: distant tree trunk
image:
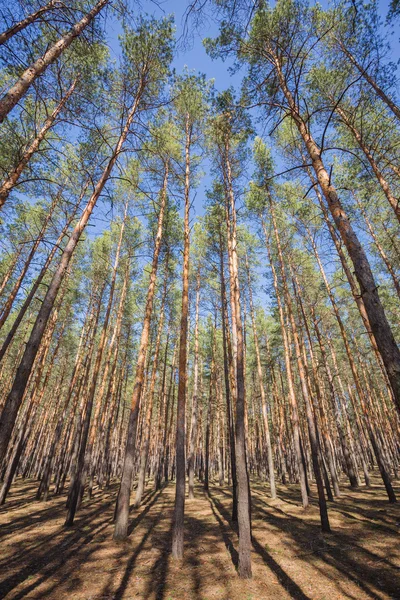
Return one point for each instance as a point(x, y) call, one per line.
point(34, 401)
point(290, 382)
point(179, 508)
point(347, 448)
point(318, 402)
point(193, 430)
point(77, 483)
point(20, 87)
point(122, 507)
point(262, 391)
point(208, 421)
point(43, 489)
point(15, 396)
point(355, 375)
point(302, 368)
point(149, 409)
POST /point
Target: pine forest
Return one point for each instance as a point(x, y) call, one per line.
point(199, 299)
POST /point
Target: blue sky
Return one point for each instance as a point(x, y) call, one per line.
point(195, 57)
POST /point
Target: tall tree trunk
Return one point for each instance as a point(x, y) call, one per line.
point(229, 380)
point(14, 399)
point(77, 483)
point(10, 300)
point(244, 501)
point(290, 381)
point(209, 410)
point(193, 429)
point(379, 324)
point(179, 508)
point(393, 201)
point(20, 87)
point(122, 506)
point(39, 278)
point(382, 95)
point(381, 251)
point(262, 391)
point(302, 368)
point(149, 409)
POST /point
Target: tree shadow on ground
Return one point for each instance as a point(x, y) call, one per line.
point(291, 586)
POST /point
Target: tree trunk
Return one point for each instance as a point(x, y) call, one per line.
point(122, 506)
point(14, 29)
point(262, 391)
point(14, 399)
point(179, 508)
point(20, 87)
point(14, 176)
point(193, 430)
point(244, 522)
point(369, 290)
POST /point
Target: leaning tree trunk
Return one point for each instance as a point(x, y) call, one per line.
point(21, 312)
point(391, 198)
point(379, 324)
point(20, 87)
point(15, 396)
point(21, 25)
point(16, 287)
point(379, 91)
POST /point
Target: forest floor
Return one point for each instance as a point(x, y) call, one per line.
point(291, 558)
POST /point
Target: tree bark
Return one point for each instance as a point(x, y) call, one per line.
point(14, 399)
point(122, 506)
point(179, 508)
point(20, 87)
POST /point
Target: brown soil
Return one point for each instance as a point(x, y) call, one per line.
point(291, 558)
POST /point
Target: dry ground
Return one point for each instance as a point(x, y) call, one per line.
point(291, 558)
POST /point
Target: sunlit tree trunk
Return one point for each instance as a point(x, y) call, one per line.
point(193, 429)
point(20, 87)
point(379, 324)
point(14, 399)
point(122, 507)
